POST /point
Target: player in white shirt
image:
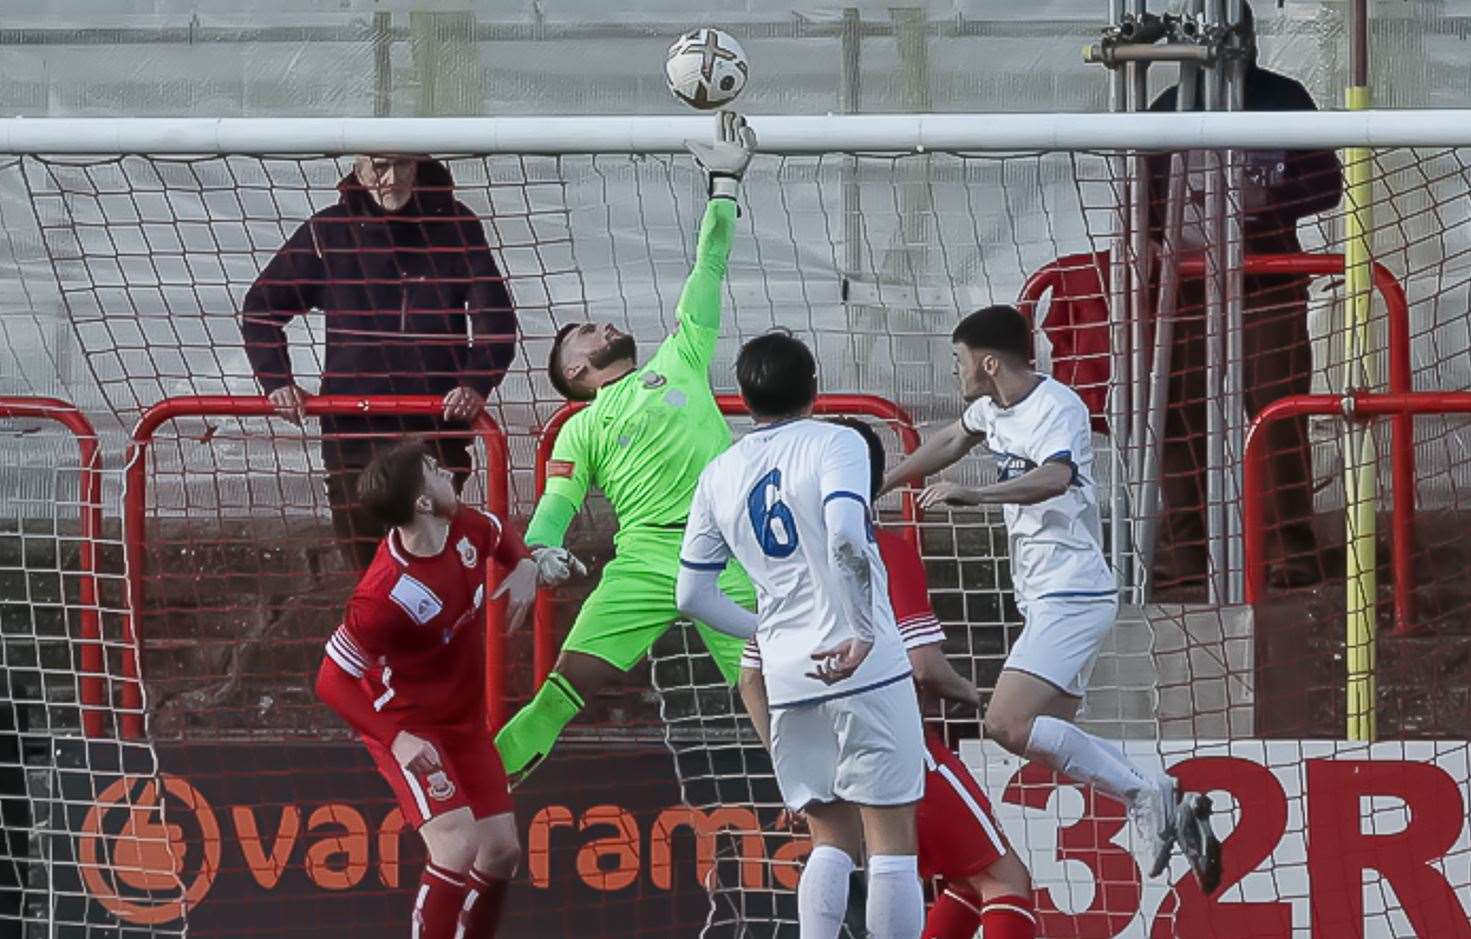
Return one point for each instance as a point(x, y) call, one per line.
point(789, 501)
point(1038, 431)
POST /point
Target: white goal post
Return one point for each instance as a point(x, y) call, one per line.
point(777, 134)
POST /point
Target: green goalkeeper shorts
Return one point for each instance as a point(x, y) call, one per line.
point(633, 605)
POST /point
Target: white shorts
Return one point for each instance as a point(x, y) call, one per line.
point(865, 748)
point(1061, 639)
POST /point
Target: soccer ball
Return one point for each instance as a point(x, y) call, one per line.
point(706, 68)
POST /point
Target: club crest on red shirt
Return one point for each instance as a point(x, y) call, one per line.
point(440, 788)
point(468, 555)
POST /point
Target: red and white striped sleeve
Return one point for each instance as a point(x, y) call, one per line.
point(359, 644)
point(343, 649)
point(909, 592)
point(751, 655)
point(349, 657)
point(920, 631)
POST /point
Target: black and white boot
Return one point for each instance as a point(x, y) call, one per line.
point(1155, 814)
point(1198, 840)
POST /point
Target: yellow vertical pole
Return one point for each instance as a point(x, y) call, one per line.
point(1360, 461)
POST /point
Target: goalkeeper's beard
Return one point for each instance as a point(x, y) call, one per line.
point(624, 347)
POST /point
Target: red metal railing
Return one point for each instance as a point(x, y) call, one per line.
point(1050, 276)
point(544, 649)
point(92, 683)
point(1402, 430)
point(135, 502)
point(1359, 406)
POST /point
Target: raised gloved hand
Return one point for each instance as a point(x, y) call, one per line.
point(725, 160)
point(556, 565)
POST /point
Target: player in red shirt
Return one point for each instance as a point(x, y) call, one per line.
point(406, 670)
point(986, 884)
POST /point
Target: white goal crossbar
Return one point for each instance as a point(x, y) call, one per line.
point(778, 134)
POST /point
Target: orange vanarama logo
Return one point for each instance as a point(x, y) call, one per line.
point(145, 858)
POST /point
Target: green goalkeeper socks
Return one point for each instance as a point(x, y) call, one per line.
point(528, 737)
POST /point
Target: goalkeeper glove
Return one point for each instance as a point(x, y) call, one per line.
point(556, 565)
point(725, 160)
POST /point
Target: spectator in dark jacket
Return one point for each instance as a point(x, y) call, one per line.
point(414, 305)
point(1281, 187)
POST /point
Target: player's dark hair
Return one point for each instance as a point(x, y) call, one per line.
point(997, 329)
point(777, 375)
point(554, 367)
point(875, 451)
point(392, 481)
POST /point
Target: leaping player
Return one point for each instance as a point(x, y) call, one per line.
point(987, 886)
point(643, 439)
point(406, 670)
point(1038, 430)
point(789, 501)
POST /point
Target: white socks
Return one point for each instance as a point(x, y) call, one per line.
point(1085, 758)
point(895, 898)
point(822, 893)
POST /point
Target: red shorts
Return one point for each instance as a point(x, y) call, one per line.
point(471, 774)
point(958, 834)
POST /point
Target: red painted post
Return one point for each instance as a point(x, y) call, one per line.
point(92, 683)
point(1361, 405)
point(135, 490)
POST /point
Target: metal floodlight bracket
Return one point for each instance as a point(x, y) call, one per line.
point(1187, 38)
point(1138, 29)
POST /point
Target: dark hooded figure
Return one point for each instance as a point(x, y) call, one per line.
point(414, 304)
point(1281, 188)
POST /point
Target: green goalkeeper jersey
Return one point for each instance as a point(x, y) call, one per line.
point(645, 438)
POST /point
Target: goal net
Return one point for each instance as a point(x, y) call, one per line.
point(171, 570)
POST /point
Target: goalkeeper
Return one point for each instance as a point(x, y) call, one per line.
point(643, 439)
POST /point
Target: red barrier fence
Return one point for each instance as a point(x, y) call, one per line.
point(93, 690)
point(1357, 406)
point(92, 683)
point(1402, 439)
point(135, 503)
point(545, 644)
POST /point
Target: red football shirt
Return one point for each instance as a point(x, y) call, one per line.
point(413, 635)
point(909, 592)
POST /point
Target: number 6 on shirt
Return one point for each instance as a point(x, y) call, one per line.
point(776, 530)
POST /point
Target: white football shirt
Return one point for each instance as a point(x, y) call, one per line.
point(763, 502)
point(1057, 545)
